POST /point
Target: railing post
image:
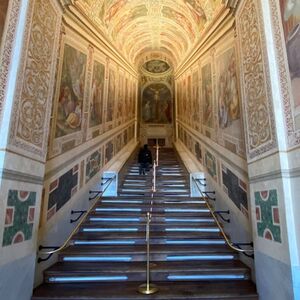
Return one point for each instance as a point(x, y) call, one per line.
point(148, 288)
point(154, 177)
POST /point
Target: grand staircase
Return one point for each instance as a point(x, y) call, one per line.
point(189, 257)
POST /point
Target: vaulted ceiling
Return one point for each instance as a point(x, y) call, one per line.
point(136, 27)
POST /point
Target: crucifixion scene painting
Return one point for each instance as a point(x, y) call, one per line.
point(157, 104)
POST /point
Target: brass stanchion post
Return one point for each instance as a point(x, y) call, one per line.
point(148, 288)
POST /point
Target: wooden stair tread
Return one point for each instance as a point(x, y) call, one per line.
point(236, 290)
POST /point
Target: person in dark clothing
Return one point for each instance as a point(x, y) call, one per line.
point(144, 159)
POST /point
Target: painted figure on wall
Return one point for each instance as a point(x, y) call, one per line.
point(69, 111)
point(227, 90)
point(207, 95)
point(157, 104)
point(196, 102)
point(97, 94)
point(188, 101)
point(290, 10)
point(111, 96)
point(156, 66)
point(109, 152)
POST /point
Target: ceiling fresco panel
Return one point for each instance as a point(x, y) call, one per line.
point(166, 25)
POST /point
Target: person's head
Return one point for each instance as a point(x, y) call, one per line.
point(145, 146)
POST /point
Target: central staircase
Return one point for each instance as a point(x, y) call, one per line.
point(189, 257)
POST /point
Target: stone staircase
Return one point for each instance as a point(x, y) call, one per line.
point(189, 257)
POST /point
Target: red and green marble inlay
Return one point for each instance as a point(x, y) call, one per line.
point(267, 215)
point(19, 217)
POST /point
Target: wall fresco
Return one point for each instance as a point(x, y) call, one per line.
point(207, 95)
point(118, 143)
point(157, 104)
point(267, 215)
point(111, 96)
point(109, 152)
point(290, 11)
point(227, 93)
point(211, 165)
point(72, 84)
point(97, 94)
point(93, 165)
point(198, 151)
point(19, 217)
point(196, 120)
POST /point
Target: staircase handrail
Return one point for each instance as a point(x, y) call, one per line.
point(228, 242)
point(65, 244)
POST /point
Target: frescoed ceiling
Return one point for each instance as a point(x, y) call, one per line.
point(172, 27)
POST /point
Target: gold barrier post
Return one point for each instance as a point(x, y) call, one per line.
point(154, 178)
point(157, 147)
point(148, 288)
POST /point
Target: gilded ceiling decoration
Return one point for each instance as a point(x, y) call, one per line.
point(135, 26)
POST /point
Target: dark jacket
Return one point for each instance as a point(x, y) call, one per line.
point(145, 156)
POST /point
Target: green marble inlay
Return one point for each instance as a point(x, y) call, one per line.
point(21, 228)
point(266, 202)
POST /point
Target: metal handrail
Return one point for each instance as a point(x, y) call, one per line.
point(64, 245)
point(228, 242)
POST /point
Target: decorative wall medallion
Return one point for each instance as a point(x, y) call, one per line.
point(19, 218)
point(267, 215)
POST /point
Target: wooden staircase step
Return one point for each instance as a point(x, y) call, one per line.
point(135, 271)
point(234, 290)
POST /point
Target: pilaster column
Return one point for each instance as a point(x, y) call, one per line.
point(273, 166)
point(28, 61)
